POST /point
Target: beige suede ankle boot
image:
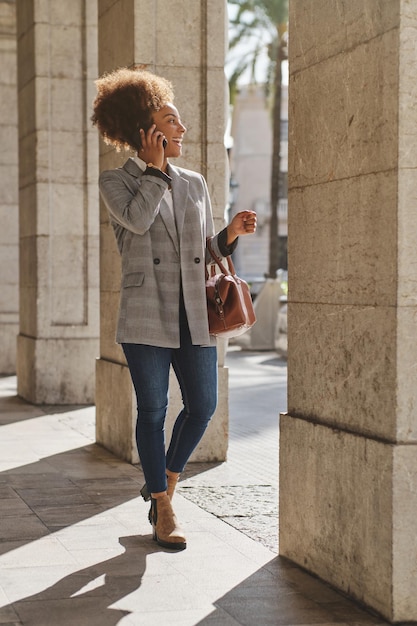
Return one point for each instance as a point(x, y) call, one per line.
point(166, 531)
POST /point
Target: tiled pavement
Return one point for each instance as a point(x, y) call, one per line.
point(75, 543)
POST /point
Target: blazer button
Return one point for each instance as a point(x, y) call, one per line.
point(197, 259)
point(157, 261)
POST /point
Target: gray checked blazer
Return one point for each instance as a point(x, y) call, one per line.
point(158, 251)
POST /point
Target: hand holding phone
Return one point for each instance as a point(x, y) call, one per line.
point(153, 145)
point(136, 140)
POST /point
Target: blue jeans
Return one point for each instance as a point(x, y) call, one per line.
point(196, 371)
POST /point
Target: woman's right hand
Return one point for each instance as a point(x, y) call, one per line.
point(152, 150)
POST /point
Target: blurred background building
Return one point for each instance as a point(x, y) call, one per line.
point(250, 154)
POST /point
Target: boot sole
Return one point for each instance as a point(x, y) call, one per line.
point(168, 544)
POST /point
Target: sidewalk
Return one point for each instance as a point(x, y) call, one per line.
point(76, 546)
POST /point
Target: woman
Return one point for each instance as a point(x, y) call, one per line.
point(161, 217)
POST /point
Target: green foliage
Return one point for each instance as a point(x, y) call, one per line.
point(260, 25)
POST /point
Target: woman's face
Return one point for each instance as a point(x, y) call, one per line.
point(168, 122)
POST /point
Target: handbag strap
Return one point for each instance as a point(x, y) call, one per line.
point(231, 269)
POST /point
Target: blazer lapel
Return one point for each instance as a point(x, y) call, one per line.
point(165, 212)
point(132, 168)
point(179, 197)
point(167, 216)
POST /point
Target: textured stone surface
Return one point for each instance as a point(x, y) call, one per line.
point(115, 410)
point(58, 155)
point(252, 509)
point(350, 121)
point(336, 508)
point(341, 366)
point(322, 33)
point(9, 240)
point(344, 231)
point(41, 378)
point(363, 490)
point(404, 532)
point(348, 476)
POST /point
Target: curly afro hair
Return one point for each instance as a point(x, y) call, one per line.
point(126, 99)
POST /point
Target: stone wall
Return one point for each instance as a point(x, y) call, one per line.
point(348, 505)
point(9, 239)
point(58, 202)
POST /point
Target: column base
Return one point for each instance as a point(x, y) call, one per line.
point(116, 410)
point(8, 334)
point(56, 371)
point(340, 494)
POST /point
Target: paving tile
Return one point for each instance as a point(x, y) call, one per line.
point(12, 508)
point(54, 496)
point(310, 586)
point(77, 462)
point(8, 546)
point(92, 557)
point(348, 611)
point(8, 616)
point(25, 527)
point(181, 617)
point(46, 551)
point(7, 492)
point(267, 610)
point(184, 617)
point(43, 582)
point(106, 484)
point(94, 536)
point(218, 617)
point(14, 410)
point(133, 515)
point(94, 611)
point(58, 516)
point(173, 591)
point(32, 474)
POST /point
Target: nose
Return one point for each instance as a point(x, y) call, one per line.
point(182, 128)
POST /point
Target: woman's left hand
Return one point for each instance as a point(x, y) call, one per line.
point(243, 223)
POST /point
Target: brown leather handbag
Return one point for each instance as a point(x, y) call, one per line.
point(229, 302)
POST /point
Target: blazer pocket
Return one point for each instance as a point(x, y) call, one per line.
point(133, 279)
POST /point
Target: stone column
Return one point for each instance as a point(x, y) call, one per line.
point(9, 217)
point(58, 164)
point(186, 43)
point(348, 459)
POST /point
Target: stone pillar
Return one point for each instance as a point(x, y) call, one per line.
point(186, 43)
point(58, 164)
point(348, 457)
point(9, 217)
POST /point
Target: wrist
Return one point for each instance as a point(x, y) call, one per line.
point(231, 235)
